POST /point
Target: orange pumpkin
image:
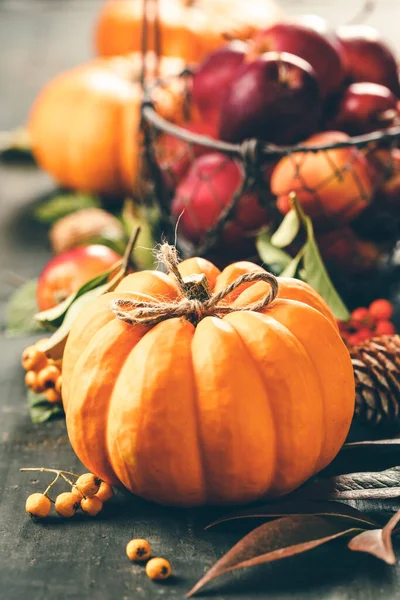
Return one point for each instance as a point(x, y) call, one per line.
point(224, 411)
point(84, 126)
point(190, 29)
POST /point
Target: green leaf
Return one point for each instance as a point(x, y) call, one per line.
point(271, 255)
point(61, 205)
point(138, 216)
point(53, 317)
point(21, 310)
point(292, 268)
point(287, 230)
point(55, 345)
point(41, 410)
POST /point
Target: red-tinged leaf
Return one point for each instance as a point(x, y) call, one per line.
point(336, 510)
point(275, 540)
point(354, 486)
point(377, 542)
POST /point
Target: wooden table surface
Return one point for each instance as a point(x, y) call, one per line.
point(84, 558)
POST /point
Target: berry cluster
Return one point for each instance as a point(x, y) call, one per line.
point(139, 550)
point(43, 375)
point(88, 493)
point(366, 323)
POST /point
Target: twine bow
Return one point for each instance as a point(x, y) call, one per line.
point(195, 301)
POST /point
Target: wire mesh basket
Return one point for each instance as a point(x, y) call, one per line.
point(350, 187)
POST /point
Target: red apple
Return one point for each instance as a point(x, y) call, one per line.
point(175, 155)
point(343, 250)
point(310, 39)
point(333, 186)
point(67, 272)
point(368, 57)
point(365, 107)
point(207, 191)
point(212, 77)
point(274, 98)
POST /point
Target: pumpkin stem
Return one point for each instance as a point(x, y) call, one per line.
point(196, 287)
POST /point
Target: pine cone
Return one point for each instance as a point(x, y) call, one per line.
point(377, 375)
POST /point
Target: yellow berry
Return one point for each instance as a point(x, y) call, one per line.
point(47, 377)
point(33, 359)
point(158, 568)
point(67, 504)
point(30, 379)
point(105, 492)
point(58, 385)
point(52, 396)
point(138, 550)
point(38, 505)
point(88, 484)
point(91, 506)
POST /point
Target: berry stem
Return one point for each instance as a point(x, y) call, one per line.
point(57, 477)
point(45, 470)
point(71, 483)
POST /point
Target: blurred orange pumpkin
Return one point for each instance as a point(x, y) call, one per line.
point(189, 28)
point(84, 125)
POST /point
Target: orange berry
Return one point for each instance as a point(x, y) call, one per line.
point(105, 492)
point(30, 379)
point(33, 359)
point(88, 484)
point(91, 506)
point(138, 550)
point(158, 568)
point(381, 309)
point(58, 385)
point(52, 396)
point(67, 504)
point(38, 505)
point(77, 493)
point(47, 377)
point(385, 328)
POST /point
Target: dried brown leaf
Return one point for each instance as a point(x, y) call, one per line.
point(377, 542)
point(336, 510)
point(275, 540)
point(354, 486)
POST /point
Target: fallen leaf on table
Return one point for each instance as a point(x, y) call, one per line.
point(377, 542)
point(354, 486)
point(275, 540)
point(294, 508)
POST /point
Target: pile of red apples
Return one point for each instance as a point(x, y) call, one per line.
point(295, 82)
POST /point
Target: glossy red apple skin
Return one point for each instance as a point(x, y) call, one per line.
point(67, 272)
point(273, 98)
point(212, 77)
point(365, 107)
point(310, 39)
point(204, 194)
point(175, 155)
point(368, 57)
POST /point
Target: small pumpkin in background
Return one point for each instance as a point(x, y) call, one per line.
point(84, 125)
point(190, 29)
point(207, 387)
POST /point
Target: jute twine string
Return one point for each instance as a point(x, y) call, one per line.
point(195, 301)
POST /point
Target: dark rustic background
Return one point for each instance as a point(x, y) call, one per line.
point(85, 558)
